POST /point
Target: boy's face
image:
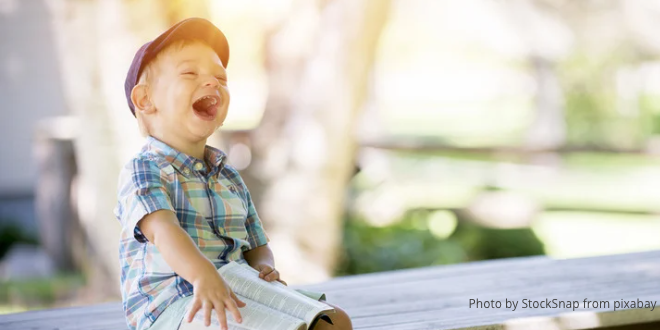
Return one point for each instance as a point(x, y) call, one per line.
point(188, 89)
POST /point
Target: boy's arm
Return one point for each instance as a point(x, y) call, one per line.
point(261, 258)
point(182, 255)
point(178, 249)
point(260, 255)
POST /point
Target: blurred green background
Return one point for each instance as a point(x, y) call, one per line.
point(429, 133)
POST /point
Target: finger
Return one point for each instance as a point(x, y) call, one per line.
point(231, 306)
point(222, 317)
point(219, 311)
point(239, 302)
point(274, 275)
point(196, 306)
point(265, 270)
point(268, 276)
point(207, 313)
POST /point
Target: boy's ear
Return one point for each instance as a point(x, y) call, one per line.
point(140, 98)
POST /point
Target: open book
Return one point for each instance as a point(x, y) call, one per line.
point(269, 305)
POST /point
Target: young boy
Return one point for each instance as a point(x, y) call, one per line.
point(184, 211)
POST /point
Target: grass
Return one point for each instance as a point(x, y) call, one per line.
point(37, 293)
point(575, 234)
point(595, 182)
point(8, 309)
point(613, 182)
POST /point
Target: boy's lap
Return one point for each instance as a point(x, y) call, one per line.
point(173, 315)
point(171, 318)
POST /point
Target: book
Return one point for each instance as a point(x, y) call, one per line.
point(269, 305)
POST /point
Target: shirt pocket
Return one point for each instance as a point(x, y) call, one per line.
point(232, 210)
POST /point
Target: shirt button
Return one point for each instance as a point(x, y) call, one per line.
point(186, 171)
point(199, 166)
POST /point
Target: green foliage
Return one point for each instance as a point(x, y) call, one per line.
point(610, 165)
point(39, 291)
point(373, 249)
point(650, 107)
point(593, 103)
point(409, 244)
point(494, 243)
point(11, 234)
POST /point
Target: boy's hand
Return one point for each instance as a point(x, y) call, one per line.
point(268, 273)
point(212, 293)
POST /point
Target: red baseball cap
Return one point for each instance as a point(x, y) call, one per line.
point(188, 29)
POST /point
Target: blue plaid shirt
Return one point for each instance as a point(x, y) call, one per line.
point(213, 206)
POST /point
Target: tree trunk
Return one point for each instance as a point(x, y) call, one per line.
point(304, 149)
point(548, 130)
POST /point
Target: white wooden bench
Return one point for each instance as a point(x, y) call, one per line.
point(439, 297)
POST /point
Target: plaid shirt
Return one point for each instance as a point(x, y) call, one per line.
point(213, 206)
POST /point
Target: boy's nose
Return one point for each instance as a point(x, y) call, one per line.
point(211, 81)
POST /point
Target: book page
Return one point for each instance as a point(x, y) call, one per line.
point(255, 317)
point(244, 280)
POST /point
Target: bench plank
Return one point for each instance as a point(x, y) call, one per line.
point(438, 297)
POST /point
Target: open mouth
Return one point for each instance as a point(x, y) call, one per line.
point(206, 107)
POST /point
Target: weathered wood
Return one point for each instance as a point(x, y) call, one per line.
point(438, 297)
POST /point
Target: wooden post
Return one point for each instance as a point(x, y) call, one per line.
point(59, 228)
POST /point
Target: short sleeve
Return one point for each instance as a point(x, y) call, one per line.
point(256, 233)
point(142, 191)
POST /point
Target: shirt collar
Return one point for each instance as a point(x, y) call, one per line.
point(184, 163)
